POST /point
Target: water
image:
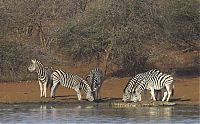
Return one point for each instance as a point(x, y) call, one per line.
point(88, 114)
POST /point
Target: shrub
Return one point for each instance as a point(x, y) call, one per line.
point(124, 27)
point(12, 59)
point(16, 57)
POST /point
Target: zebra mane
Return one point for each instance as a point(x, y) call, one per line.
point(39, 65)
point(126, 86)
point(38, 62)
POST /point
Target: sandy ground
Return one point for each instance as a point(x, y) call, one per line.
point(186, 91)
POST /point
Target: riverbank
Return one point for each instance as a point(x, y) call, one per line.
point(186, 92)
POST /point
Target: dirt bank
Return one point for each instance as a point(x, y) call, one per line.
point(186, 91)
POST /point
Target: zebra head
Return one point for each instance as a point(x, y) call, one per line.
point(135, 97)
point(33, 65)
point(127, 91)
point(90, 96)
point(126, 96)
point(96, 85)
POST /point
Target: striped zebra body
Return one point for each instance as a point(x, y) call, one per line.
point(69, 80)
point(96, 80)
point(44, 76)
point(133, 81)
point(156, 81)
point(142, 82)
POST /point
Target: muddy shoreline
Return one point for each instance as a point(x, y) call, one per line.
point(186, 93)
point(86, 104)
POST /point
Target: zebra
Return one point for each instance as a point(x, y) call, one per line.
point(133, 81)
point(96, 80)
point(72, 81)
point(44, 76)
point(156, 81)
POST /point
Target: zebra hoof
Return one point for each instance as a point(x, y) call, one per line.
point(53, 97)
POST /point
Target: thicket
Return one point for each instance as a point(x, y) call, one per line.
point(14, 57)
point(25, 33)
point(113, 32)
point(119, 29)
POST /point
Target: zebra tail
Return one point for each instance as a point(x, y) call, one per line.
point(173, 90)
point(51, 84)
point(51, 81)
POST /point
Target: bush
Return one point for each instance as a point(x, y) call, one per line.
point(16, 57)
point(13, 60)
point(126, 26)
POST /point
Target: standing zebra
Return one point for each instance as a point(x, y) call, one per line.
point(70, 81)
point(152, 80)
point(96, 80)
point(44, 76)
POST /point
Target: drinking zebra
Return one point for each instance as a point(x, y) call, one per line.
point(151, 80)
point(96, 80)
point(69, 80)
point(44, 76)
point(133, 81)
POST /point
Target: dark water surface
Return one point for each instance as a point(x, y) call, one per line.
point(89, 114)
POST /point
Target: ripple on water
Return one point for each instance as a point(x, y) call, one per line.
point(87, 114)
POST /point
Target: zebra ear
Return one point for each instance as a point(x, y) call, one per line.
point(86, 78)
point(33, 61)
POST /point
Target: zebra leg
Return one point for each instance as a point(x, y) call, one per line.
point(41, 89)
point(131, 97)
point(53, 89)
point(169, 91)
point(152, 93)
point(151, 97)
point(96, 94)
point(78, 93)
point(140, 99)
point(156, 94)
point(165, 95)
point(160, 95)
point(45, 89)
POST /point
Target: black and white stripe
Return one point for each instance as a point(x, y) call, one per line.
point(44, 76)
point(96, 80)
point(151, 80)
point(69, 80)
point(133, 81)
